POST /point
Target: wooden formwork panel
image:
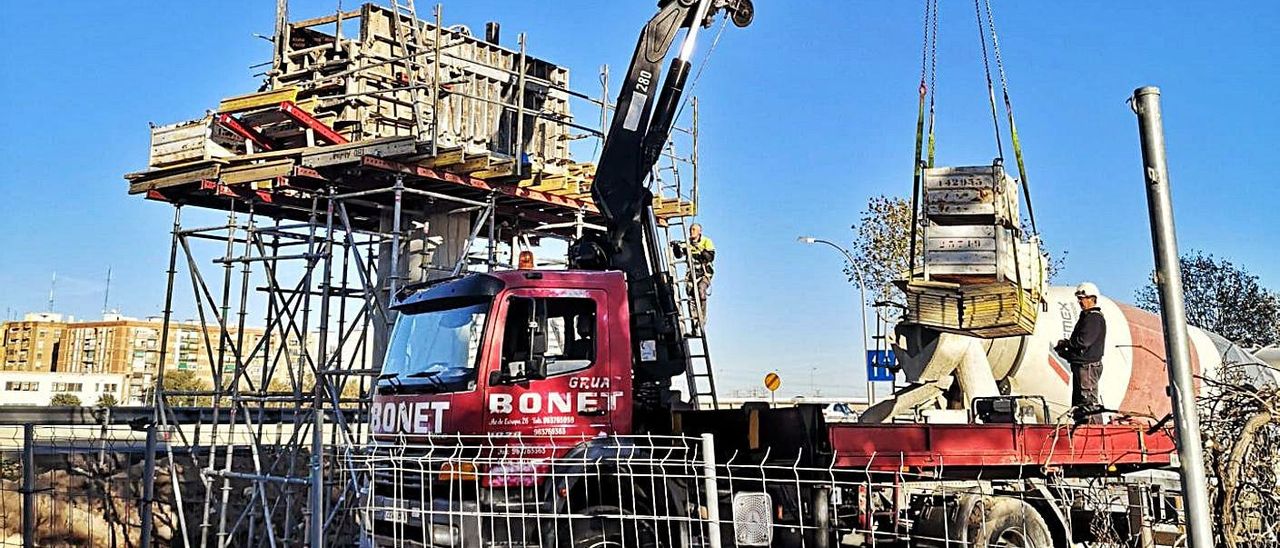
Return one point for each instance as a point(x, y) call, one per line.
point(362, 81)
point(970, 195)
point(189, 141)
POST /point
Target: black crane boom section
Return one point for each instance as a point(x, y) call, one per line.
point(631, 148)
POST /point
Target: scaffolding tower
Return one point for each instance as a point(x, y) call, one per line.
point(411, 151)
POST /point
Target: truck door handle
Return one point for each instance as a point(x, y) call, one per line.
point(592, 412)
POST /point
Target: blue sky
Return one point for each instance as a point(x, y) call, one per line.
point(805, 115)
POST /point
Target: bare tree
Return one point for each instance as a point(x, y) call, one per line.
point(1223, 298)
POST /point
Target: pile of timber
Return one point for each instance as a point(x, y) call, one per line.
point(981, 275)
point(987, 310)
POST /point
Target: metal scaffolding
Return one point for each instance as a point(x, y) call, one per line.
point(324, 224)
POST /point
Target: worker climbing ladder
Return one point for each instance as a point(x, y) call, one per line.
point(698, 374)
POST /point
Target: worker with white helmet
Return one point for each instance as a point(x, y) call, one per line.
point(1084, 351)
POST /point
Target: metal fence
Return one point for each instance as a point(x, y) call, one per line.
point(675, 491)
point(73, 486)
point(86, 485)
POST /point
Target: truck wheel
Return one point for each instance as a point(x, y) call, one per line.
point(1005, 521)
point(606, 530)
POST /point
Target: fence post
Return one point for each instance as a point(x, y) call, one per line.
point(709, 484)
point(822, 516)
point(28, 485)
point(148, 486)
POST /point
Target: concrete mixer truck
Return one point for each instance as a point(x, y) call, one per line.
point(946, 372)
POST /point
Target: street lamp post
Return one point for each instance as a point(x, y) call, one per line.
point(862, 294)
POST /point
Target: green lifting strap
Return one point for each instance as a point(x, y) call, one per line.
point(1013, 128)
point(926, 54)
point(915, 186)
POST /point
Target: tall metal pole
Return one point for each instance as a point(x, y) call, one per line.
point(319, 388)
point(1146, 103)
point(28, 485)
point(148, 486)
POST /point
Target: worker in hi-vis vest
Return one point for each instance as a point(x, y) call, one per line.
point(702, 253)
point(1084, 351)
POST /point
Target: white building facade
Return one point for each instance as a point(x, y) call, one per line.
point(39, 388)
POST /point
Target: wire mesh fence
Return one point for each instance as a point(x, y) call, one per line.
point(72, 485)
point(677, 491)
point(87, 486)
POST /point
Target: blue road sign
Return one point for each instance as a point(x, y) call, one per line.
point(879, 364)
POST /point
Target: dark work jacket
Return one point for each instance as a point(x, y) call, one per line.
point(1088, 339)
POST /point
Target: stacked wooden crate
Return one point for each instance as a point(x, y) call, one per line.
point(982, 276)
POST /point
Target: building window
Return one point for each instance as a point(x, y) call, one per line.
point(13, 386)
point(68, 386)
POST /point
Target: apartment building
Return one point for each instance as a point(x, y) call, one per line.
point(32, 344)
point(130, 349)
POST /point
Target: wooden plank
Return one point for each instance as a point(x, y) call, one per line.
point(446, 158)
point(175, 179)
point(960, 231)
point(324, 19)
point(250, 101)
point(957, 177)
point(672, 207)
point(976, 258)
point(172, 169)
point(988, 310)
point(499, 171)
point(256, 172)
point(572, 188)
point(551, 183)
point(472, 165)
point(951, 245)
point(552, 170)
point(471, 182)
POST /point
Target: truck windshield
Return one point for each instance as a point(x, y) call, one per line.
point(434, 351)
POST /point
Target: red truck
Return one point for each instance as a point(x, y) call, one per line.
point(535, 408)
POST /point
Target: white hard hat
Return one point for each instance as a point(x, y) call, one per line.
point(1087, 289)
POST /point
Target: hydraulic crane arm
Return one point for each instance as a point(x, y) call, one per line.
point(631, 148)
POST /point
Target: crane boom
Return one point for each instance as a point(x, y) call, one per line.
point(631, 148)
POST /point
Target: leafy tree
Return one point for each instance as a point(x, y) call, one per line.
point(882, 244)
point(182, 380)
point(1223, 298)
point(65, 400)
point(107, 400)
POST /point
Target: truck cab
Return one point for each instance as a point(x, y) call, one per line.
point(523, 354)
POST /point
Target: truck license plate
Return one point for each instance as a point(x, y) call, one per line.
point(396, 516)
